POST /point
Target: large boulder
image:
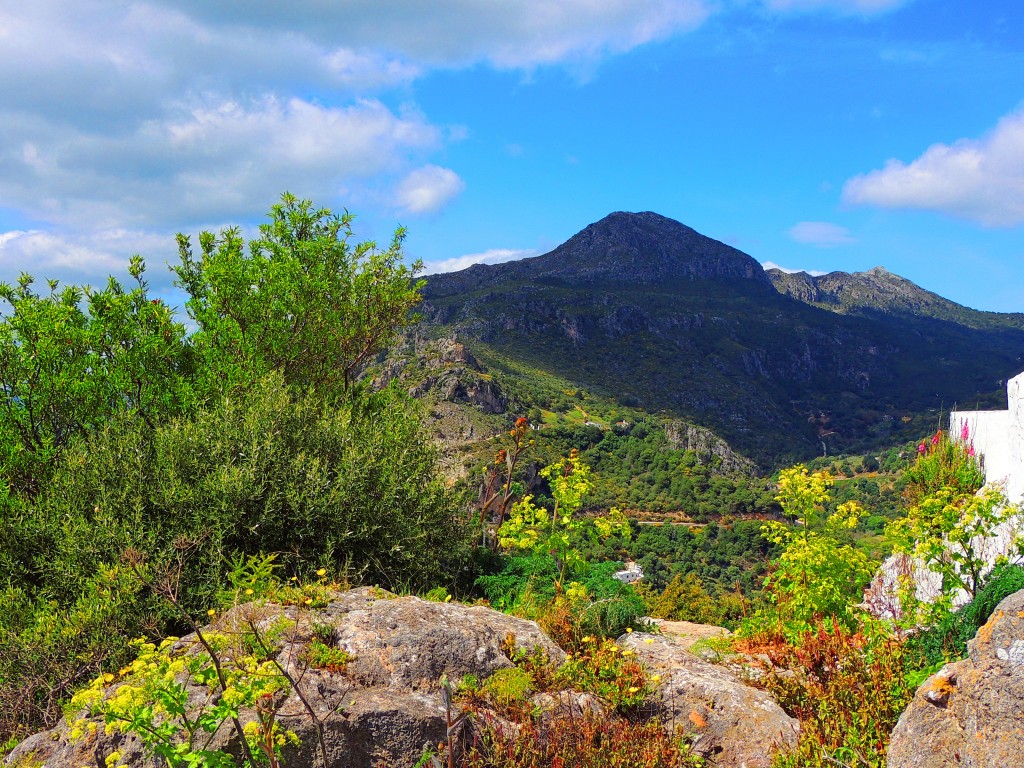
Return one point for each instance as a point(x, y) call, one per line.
point(729, 722)
point(385, 708)
point(970, 713)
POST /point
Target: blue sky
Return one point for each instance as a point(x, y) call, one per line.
point(813, 134)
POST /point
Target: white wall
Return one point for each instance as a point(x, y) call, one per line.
point(998, 437)
point(1015, 395)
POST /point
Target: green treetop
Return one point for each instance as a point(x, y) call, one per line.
point(302, 299)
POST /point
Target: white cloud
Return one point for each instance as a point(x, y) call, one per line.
point(977, 179)
point(211, 161)
point(787, 270)
point(85, 258)
point(147, 116)
point(821, 233)
point(492, 256)
point(157, 115)
point(509, 34)
point(428, 189)
point(845, 7)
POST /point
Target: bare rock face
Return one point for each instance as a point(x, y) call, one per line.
point(731, 723)
point(971, 713)
point(382, 710)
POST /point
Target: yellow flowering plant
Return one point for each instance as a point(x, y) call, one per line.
point(151, 698)
point(608, 671)
point(817, 573)
point(534, 528)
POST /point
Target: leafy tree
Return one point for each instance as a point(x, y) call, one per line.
point(73, 358)
point(686, 599)
point(303, 299)
point(817, 574)
point(945, 529)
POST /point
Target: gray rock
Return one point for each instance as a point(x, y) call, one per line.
point(686, 634)
point(384, 709)
point(732, 724)
point(970, 713)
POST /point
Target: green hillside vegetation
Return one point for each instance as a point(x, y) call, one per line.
point(644, 310)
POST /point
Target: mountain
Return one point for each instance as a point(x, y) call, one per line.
point(879, 291)
point(646, 311)
point(640, 249)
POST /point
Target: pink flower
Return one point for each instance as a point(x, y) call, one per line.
point(935, 440)
point(920, 448)
point(970, 451)
point(965, 433)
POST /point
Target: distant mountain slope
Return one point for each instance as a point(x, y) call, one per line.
point(880, 291)
point(645, 310)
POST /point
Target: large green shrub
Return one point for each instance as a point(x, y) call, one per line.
point(351, 488)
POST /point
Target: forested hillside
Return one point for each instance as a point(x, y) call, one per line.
point(646, 311)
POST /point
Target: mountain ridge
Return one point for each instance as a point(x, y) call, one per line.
point(848, 292)
point(640, 248)
point(650, 312)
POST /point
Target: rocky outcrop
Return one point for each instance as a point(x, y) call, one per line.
point(731, 723)
point(971, 713)
point(709, 446)
point(386, 705)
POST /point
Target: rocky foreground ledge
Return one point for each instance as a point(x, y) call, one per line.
point(386, 705)
point(971, 712)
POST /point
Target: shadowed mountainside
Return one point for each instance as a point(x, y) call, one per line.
point(643, 309)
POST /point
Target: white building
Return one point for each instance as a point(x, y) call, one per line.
point(633, 572)
point(998, 439)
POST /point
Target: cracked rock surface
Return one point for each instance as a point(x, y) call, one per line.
point(971, 712)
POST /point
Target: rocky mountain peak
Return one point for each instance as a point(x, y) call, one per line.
point(633, 248)
point(645, 248)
